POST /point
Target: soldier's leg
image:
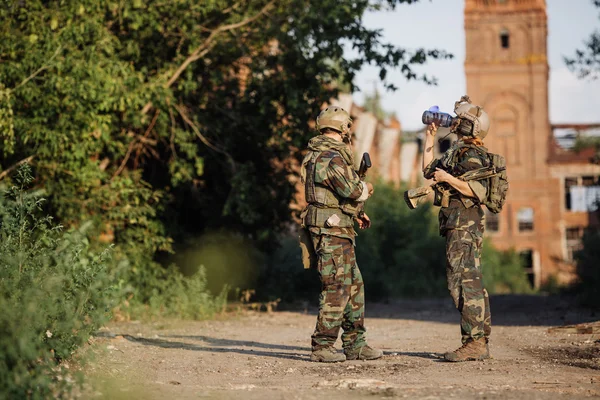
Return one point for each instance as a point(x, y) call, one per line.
point(354, 313)
point(487, 318)
point(465, 283)
point(334, 292)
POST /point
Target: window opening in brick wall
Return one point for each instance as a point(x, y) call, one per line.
point(574, 236)
point(527, 260)
point(444, 145)
point(582, 193)
point(504, 39)
point(492, 222)
point(525, 219)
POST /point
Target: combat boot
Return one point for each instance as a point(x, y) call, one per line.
point(327, 354)
point(472, 350)
point(363, 353)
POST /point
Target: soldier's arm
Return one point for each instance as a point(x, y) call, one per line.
point(343, 180)
point(463, 187)
point(471, 160)
point(428, 148)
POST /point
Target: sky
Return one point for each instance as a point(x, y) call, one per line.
point(439, 24)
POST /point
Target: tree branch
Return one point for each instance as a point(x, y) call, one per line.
point(208, 45)
point(150, 127)
point(124, 162)
point(43, 67)
point(8, 170)
point(202, 138)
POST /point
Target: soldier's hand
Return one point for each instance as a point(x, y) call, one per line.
point(441, 176)
point(364, 221)
point(370, 188)
point(431, 130)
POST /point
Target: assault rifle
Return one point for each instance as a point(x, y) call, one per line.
point(365, 164)
point(443, 191)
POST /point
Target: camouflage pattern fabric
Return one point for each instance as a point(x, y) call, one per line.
point(463, 271)
point(462, 223)
point(332, 171)
point(465, 212)
point(342, 299)
point(331, 185)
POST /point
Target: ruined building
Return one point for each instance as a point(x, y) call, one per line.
point(552, 188)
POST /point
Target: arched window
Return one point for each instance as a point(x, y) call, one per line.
point(504, 39)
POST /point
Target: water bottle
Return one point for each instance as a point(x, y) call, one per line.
point(435, 115)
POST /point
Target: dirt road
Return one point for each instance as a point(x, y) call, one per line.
point(265, 356)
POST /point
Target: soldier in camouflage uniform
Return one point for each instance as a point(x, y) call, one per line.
point(462, 223)
point(334, 193)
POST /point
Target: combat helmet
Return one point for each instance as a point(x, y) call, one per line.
point(336, 118)
point(472, 120)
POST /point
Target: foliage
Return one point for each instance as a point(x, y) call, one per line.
point(401, 255)
point(54, 292)
point(158, 121)
point(503, 271)
point(174, 294)
point(586, 61)
point(589, 142)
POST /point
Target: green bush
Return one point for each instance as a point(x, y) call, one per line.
point(402, 254)
point(503, 271)
point(284, 276)
point(54, 292)
point(169, 293)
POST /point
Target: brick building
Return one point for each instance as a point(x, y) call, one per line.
point(507, 73)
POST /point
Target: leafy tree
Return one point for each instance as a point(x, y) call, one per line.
point(586, 62)
point(161, 120)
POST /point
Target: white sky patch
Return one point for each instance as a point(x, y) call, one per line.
point(573, 100)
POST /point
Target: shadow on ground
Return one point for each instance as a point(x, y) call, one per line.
point(507, 310)
point(224, 346)
point(218, 345)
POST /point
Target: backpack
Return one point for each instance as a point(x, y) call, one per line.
point(498, 189)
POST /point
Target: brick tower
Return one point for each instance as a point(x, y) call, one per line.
point(507, 73)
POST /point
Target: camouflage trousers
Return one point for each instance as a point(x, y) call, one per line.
point(342, 299)
point(463, 270)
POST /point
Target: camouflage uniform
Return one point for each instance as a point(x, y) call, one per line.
point(462, 223)
point(333, 187)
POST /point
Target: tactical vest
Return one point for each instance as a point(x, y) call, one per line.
point(498, 185)
point(323, 203)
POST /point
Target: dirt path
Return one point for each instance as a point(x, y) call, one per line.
point(265, 356)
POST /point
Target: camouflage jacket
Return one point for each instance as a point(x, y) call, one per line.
point(330, 184)
point(462, 213)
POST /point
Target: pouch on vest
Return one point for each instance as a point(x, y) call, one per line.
point(309, 256)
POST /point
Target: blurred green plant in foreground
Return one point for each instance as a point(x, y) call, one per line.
point(54, 292)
